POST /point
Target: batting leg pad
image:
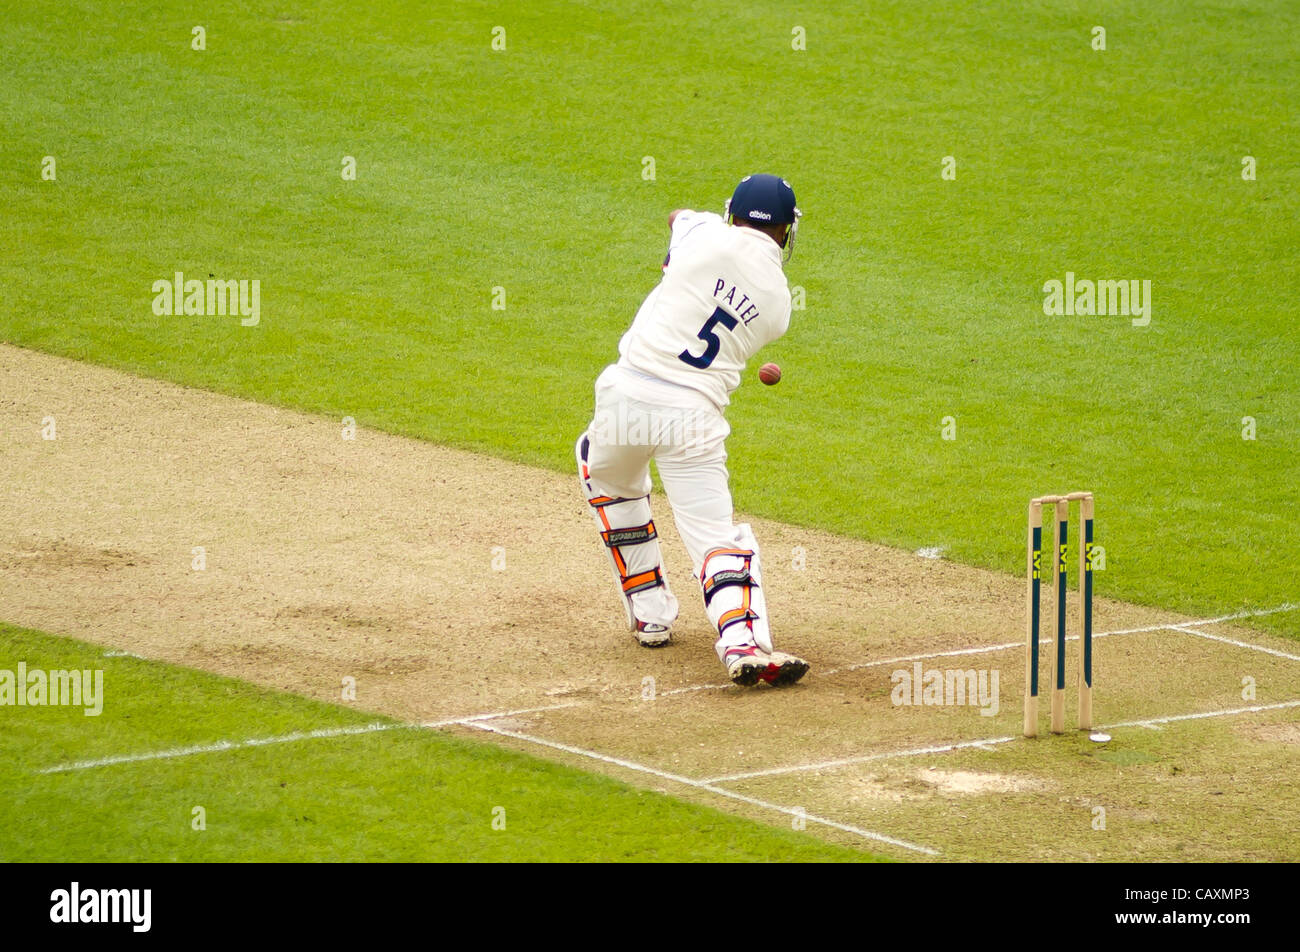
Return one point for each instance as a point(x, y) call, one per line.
point(632, 543)
point(731, 579)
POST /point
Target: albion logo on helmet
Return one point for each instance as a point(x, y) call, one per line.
point(755, 213)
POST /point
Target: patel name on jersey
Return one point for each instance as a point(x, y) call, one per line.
point(730, 298)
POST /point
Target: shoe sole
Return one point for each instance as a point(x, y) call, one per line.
point(748, 674)
point(657, 640)
point(778, 675)
point(786, 673)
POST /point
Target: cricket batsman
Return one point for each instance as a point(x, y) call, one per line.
point(723, 296)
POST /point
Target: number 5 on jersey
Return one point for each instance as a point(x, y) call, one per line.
point(711, 342)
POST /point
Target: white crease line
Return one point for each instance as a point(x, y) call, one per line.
point(935, 654)
point(220, 746)
point(1048, 640)
point(705, 785)
point(985, 744)
point(693, 688)
point(1249, 613)
point(1229, 641)
point(492, 717)
point(984, 649)
point(378, 727)
point(323, 733)
point(1236, 616)
point(1151, 722)
point(1137, 631)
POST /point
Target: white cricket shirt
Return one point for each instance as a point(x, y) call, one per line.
point(722, 297)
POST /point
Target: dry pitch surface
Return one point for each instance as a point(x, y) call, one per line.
point(451, 585)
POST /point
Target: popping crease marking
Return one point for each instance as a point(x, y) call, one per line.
point(1184, 627)
point(988, 743)
point(322, 733)
point(1176, 626)
point(703, 785)
point(1169, 719)
point(1188, 630)
point(988, 649)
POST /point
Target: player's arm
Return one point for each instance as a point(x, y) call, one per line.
point(672, 218)
point(682, 222)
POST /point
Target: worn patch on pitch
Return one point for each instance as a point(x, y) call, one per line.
point(1283, 733)
point(963, 782)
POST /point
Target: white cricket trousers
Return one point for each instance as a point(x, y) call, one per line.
point(639, 418)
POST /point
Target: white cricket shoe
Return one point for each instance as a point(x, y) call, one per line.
point(652, 636)
point(747, 665)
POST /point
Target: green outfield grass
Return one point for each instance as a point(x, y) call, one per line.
point(402, 794)
point(523, 169)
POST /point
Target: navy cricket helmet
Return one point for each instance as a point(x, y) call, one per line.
point(765, 200)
